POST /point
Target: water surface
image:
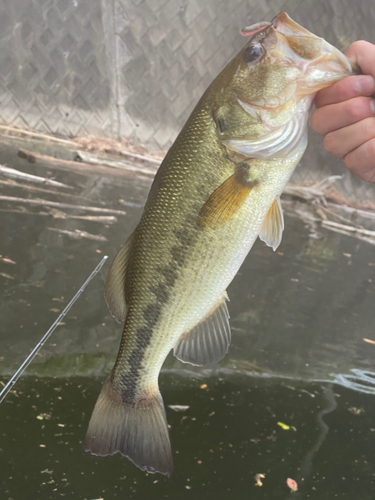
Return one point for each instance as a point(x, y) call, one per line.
point(298, 315)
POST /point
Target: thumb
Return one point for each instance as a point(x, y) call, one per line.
point(363, 54)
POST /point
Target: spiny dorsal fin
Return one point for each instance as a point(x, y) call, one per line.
point(115, 283)
point(208, 342)
point(272, 228)
point(226, 200)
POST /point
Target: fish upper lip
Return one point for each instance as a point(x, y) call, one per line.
point(291, 27)
point(285, 25)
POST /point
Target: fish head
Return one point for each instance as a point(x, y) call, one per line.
point(283, 59)
point(263, 97)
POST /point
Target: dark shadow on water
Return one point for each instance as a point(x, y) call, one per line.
point(228, 434)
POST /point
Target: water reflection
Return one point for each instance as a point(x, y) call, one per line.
point(358, 380)
point(301, 312)
point(306, 468)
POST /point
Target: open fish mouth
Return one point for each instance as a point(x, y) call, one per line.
point(311, 53)
point(319, 63)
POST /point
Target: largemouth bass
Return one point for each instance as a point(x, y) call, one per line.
point(216, 191)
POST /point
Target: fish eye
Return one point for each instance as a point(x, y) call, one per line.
point(253, 53)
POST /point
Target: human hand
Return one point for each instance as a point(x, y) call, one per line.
point(346, 114)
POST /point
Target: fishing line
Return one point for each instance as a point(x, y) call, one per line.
point(46, 336)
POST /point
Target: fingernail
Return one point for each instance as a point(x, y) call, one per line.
point(365, 84)
point(372, 105)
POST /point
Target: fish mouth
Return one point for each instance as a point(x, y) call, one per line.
point(288, 44)
point(285, 24)
point(320, 62)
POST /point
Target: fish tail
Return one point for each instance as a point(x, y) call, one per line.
point(139, 432)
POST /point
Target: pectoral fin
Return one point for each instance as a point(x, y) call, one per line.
point(115, 283)
point(226, 200)
point(273, 225)
point(209, 341)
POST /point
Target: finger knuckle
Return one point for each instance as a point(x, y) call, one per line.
point(342, 92)
point(350, 161)
point(316, 122)
point(361, 45)
point(354, 109)
point(370, 147)
point(367, 127)
point(330, 143)
point(359, 160)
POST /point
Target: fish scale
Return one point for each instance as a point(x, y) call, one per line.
point(216, 191)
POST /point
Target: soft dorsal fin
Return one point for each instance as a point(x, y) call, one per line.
point(272, 228)
point(209, 341)
point(114, 290)
point(226, 200)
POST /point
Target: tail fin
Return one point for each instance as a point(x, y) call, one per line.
point(140, 434)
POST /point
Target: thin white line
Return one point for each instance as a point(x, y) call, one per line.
point(46, 336)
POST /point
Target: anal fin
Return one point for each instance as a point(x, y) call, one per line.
point(115, 283)
point(209, 341)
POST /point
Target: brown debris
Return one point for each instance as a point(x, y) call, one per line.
point(329, 208)
point(77, 167)
point(7, 276)
point(16, 133)
point(356, 411)
point(14, 184)
point(110, 162)
point(118, 147)
point(17, 174)
point(78, 235)
point(7, 261)
point(38, 201)
point(258, 478)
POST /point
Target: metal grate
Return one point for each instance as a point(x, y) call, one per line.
point(136, 68)
point(53, 63)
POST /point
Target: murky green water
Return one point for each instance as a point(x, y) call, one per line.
point(228, 434)
point(299, 317)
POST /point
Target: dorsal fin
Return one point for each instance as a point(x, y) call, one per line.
point(114, 291)
point(208, 342)
point(272, 228)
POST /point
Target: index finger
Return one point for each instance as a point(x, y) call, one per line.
point(349, 87)
point(363, 54)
